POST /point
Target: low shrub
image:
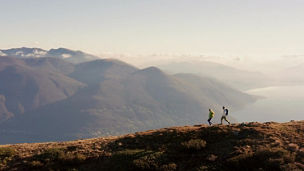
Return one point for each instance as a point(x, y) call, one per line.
point(52, 154)
point(36, 164)
point(168, 167)
point(267, 158)
point(59, 154)
point(6, 152)
point(194, 144)
point(123, 160)
point(151, 161)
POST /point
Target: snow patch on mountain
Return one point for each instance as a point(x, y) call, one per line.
point(65, 55)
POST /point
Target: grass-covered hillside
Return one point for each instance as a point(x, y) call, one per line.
point(249, 146)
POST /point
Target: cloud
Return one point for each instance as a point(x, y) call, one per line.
point(2, 54)
point(36, 53)
point(19, 53)
point(293, 56)
point(237, 59)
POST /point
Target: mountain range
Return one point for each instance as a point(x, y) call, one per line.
point(237, 78)
point(61, 53)
point(50, 99)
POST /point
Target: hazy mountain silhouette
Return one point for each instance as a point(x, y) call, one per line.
point(293, 75)
point(117, 98)
point(219, 93)
point(26, 88)
point(94, 72)
point(50, 64)
point(61, 53)
point(236, 78)
point(70, 55)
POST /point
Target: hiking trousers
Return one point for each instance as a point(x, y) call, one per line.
point(225, 118)
point(209, 120)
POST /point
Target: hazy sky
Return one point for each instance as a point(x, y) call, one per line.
point(215, 27)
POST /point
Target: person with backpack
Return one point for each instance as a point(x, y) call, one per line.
point(225, 114)
point(211, 115)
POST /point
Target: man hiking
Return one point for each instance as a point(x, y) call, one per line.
point(225, 114)
point(211, 115)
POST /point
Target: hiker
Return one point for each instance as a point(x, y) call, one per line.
point(211, 115)
point(225, 114)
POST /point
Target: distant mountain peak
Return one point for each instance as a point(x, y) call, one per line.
point(152, 72)
point(103, 62)
point(152, 69)
point(64, 50)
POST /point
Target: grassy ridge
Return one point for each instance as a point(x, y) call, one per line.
point(250, 146)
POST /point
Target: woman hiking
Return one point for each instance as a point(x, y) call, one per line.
point(211, 115)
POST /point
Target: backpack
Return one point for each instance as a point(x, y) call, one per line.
point(226, 112)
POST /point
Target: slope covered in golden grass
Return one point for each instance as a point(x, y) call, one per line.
point(246, 146)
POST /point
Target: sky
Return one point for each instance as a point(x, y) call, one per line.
point(235, 28)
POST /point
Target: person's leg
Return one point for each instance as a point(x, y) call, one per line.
point(209, 120)
point(227, 120)
point(222, 120)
